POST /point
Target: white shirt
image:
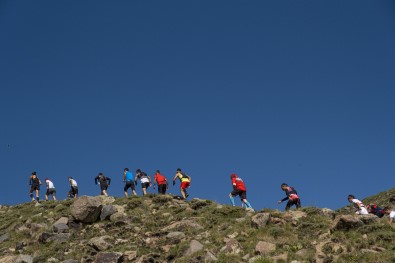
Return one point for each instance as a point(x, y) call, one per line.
point(73, 182)
point(392, 216)
point(144, 180)
point(50, 185)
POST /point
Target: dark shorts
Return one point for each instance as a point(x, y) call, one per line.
point(51, 191)
point(242, 194)
point(34, 187)
point(129, 184)
point(144, 185)
point(162, 188)
point(295, 202)
point(74, 190)
point(103, 187)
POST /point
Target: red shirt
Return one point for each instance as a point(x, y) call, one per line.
point(238, 182)
point(160, 179)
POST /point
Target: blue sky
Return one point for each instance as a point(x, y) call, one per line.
point(276, 91)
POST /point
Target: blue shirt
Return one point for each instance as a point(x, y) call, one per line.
point(129, 176)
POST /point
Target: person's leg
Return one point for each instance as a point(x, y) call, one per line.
point(125, 190)
point(243, 197)
point(232, 200)
point(46, 197)
point(298, 205)
point(288, 206)
point(183, 192)
point(37, 195)
point(54, 195)
point(144, 191)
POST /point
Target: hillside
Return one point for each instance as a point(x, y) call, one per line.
point(164, 229)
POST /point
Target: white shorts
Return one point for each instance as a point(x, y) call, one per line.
point(362, 211)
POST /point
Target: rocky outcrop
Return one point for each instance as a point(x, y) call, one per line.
point(346, 222)
point(86, 209)
point(264, 248)
point(260, 220)
point(194, 246)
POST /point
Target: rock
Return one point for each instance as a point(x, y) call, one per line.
point(346, 222)
point(86, 209)
point(280, 258)
point(52, 260)
point(368, 219)
point(369, 251)
point(264, 248)
point(256, 259)
point(260, 220)
point(62, 220)
point(184, 224)
point(328, 213)
point(8, 259)
point(246, 257)
point(109, 257)
point(60, 228)
point(100, 243)
point(107, 211)
point(20, 246)
point(294, 216)
point(71, 261)
point(175, 237)
point(119, 218)
point(130, 255)
point(210, 257)
point(105, 200)
point(232, 247)
point(24, 259)
point(240, 220)
point(4, 238)
point(47, 237)
point(194, 246)
point(34, 227)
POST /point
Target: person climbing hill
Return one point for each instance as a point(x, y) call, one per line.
point(104, 183)
point(185, 182)
point(291, 196)
point(161, 181)
point(145, 180)
point(73, 193)
point(129, 182)
point(375, 210)
point(387, 211)
point(359, 206)
point(239, 189)
point(50, 189)
point(34, 183)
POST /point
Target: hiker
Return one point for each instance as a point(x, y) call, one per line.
point(388, 211)
point(50, 189)
point(145, 180)
point(128, 179)
point(375, 210)
point(292, 197)
point(239, 189)
point(73, 193)
point(104, 183)
point(34, 183)
point(361, 210)
point(185, 182)
point(162, 182)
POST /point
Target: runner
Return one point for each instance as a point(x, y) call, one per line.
point(104, 183)
point(73, 193)
point(50, 189)
point(361, 210)
point(34, 183)
point(145, 180)
point(162, 183)
point(239, 189)
point(292, 197)
point(128, 179)
point(185, 182)
point(388, 211)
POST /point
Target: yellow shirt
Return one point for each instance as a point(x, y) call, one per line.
point(182, 178)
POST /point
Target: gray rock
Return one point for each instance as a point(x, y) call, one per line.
point(328, 213)
point(60, 228)
point(100, 243)
point(260, 220)
point(109, 257)
point(184, 224)
point(62, 220)
point(86, 209)
point(346, 222)
point(175, 237)
point(107, 211)
point(24, 259)
point(210, 257)
point(47, 237)
point(368, 219)
point(264, 248)
point(4, 237)
point(71, 261)
point(194, 246)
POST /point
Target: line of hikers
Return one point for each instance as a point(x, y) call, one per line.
point(239, 189)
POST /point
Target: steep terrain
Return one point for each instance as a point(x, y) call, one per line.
point(164, 229)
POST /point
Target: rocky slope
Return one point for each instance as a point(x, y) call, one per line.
point(164, 229)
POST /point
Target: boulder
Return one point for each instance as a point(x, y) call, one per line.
point(130, 255)
point(60, 228)
point(328, 213)
point(4, 237)
point(184, 224)
point(47, 237)
point(232, 246)
point(86, 209)
point(346, 222)
point(107, 211)
point(210, 257)
point(62, 220)
point(109, 257)
point(194, 246)
point(294, 216)
point(175, 237)
point(260, 220)
point(24, 259)
point(368, 219)
point(71, 261)
point(100, 243)
point(264, 248)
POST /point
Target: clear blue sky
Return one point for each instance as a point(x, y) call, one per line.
point(276, 91)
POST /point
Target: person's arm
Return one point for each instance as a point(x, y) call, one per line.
point(135, 179)
point(109, 180)
point(190, 179)
point(174, 179)
point(149, 179)
point(96, 178)
point(47, 184)
point(124, 176)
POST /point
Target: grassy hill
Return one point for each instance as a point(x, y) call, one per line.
point(164, 229)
